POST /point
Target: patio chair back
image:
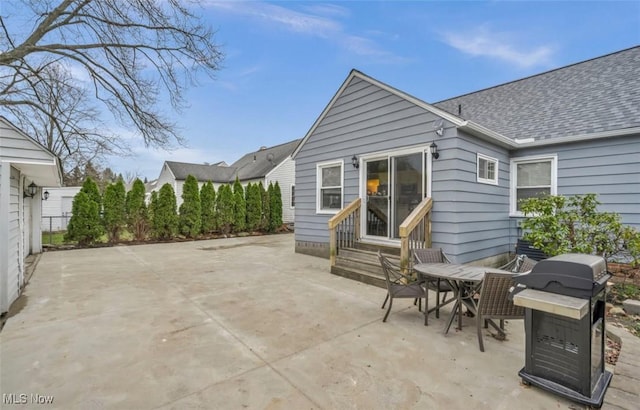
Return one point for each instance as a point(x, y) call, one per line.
point(519, 264)
point(495, 303)
point(400, 285)
point(526, 264)
point(434, 255)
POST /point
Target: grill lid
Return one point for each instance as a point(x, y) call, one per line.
point(562, 273)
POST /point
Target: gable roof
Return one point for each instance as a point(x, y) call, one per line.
point(254, 165)
point(202, 172)
point(257, 164)
point(597, 95)
point(594, 99)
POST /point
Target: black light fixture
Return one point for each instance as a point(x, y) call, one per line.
point(434, 150)
point(354, 162)
point(45, 195)
point(31, 190)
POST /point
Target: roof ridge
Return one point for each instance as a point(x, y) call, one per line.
point(274, 146)
point(536, 75)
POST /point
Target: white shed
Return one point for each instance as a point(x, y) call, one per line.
point(25, 166)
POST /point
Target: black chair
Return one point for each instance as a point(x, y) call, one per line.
point(433, 255)
point(495, 304)
point(400, 285)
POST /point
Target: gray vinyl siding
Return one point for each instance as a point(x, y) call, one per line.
point(608, 167)
point(364, 119)
point(470, 218)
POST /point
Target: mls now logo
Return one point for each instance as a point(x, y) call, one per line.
point(14, 398)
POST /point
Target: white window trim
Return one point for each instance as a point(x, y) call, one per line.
point(513, 178)
point(292, 188)
point(489, 159)
point(319, 167)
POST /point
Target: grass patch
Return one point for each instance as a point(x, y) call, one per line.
point(57, 238)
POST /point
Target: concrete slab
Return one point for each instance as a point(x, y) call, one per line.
point(241, 323)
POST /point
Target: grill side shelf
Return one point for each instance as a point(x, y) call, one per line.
point(567, 306)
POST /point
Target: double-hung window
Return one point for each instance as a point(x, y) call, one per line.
point(532, 177)
point(329, 183)
point(487, 170)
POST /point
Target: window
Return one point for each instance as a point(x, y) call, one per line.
point(293, 196)
point(329, 182)
point(531, 177)
point(487, 170)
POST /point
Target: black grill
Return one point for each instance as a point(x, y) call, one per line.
point(565, 355)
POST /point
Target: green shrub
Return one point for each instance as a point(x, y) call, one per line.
point(114, 216)
point(90, 188)
point(225, 206)
point(254, 207)
point(239, 207)
point(266, 208)
point(190, 209)
point(84, 225)
point(558, 224)
point(208, 205)
point(165, 217)
point(275, 204)
point(137, 213)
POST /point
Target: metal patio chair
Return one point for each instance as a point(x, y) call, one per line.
point(495, 303)
point(519, 264)
point(400, 285)
point(434, 255)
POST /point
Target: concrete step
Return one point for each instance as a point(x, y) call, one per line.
point(389, 250)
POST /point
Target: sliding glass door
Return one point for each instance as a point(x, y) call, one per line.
point(394, 187)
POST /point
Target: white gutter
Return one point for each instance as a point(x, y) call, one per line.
point(581, 137)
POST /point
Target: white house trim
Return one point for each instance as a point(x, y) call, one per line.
point(513, 178)
point(327, 164)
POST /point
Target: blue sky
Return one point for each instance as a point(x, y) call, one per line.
point(285, 60)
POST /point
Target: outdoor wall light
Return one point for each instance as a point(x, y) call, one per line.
point(45, 195)
point(434, 150)
point(354, 162)
point(31, 190)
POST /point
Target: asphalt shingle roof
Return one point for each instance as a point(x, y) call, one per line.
point(202, 172)
point(597, 95)
point(253, 165)
point(258, 163)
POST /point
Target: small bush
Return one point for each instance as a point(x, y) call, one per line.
point(254, 207)
point(137, 212)
point(275, 201)
point(225, 205)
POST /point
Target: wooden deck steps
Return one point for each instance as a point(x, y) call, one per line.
point(362, 263)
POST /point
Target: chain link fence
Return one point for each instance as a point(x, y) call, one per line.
point(52, 227)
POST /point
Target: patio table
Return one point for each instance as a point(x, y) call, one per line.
point(465, 280)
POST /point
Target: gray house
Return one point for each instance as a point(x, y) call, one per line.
point(266, 165)
point(382, 168)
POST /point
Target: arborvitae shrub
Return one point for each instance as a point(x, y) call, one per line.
point(208, 210)
point(137, 213)
point(90, 188)
point(254, 207)
point(275, 200)
point(266, 206)
point(239, 207)
point(84, 225)
point(114, 216)
point(190, 209)
point(165, 217)
point(225, 205)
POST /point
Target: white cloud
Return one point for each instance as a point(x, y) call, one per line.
point(482, 42)
point(319, 20)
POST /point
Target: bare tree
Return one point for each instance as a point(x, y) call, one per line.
point(132, 52)
point(78, 136)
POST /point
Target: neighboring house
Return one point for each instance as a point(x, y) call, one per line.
point(573, 130)
point(268, 164)
point(56, 208)
point(25, 166)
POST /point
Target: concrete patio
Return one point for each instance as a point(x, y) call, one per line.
point(241, 323)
